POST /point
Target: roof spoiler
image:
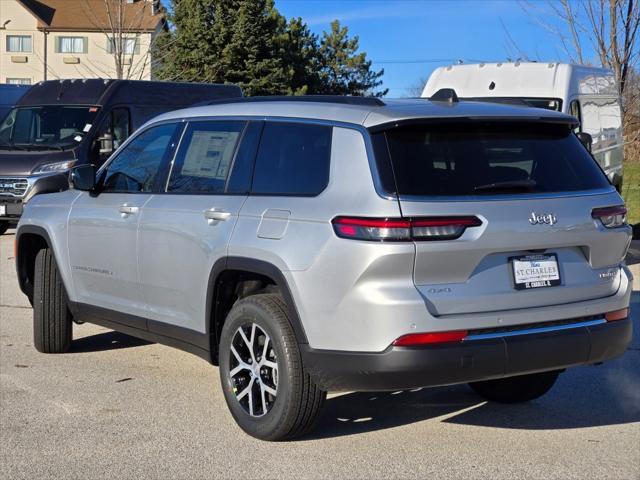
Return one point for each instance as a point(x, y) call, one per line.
point(445, 95)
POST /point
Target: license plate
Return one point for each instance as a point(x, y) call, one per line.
point(3, 210)
point(535, 271)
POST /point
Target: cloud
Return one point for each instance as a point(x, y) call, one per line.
point(367, 13)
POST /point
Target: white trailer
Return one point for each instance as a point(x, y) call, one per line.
point(588, 93)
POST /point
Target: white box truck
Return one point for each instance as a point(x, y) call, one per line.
point(588, 93)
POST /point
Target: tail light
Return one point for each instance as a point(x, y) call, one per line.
point(611, 217)
point(403, 230)
point(616, 315)
point(417, 339)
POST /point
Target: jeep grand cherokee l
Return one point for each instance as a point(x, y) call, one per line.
point(307, 245)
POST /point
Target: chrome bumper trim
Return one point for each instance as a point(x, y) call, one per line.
point(529, 331)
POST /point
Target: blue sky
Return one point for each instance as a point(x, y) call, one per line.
point(409, 38)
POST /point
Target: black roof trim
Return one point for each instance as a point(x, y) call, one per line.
point(338, 99)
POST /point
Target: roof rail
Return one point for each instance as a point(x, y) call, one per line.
point(445, 95)
point(339, 99)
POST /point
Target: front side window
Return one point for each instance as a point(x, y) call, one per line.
point(293, 159)
point(574, 109)
point(136, 168)
point(45, 128)
point(71, 44)
point(19, 43)
point(476, 158)
point(115, 129)
point(205, 158)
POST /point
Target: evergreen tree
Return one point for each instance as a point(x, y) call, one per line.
point(248, 42)
point(342, 70)
point(252, 58)
point(300, 53)
point(191, 50)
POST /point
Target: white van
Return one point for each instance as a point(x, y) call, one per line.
point(587, 93)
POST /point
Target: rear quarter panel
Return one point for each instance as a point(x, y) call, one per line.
point(327, 275)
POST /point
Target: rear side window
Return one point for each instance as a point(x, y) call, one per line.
point(293, 159)
point(470, 158)
point(205, 157)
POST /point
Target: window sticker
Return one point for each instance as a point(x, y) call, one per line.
point(87, 127)
point(209, 154)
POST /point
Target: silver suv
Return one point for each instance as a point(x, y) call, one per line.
point(307, 245)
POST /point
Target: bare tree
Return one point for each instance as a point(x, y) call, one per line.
point(609, 26)
point(610, 29)
point(124, 26)
point(415, 90)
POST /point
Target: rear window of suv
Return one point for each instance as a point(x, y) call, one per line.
point(473, 158)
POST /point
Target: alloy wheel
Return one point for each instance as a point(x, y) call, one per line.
point(253, 369)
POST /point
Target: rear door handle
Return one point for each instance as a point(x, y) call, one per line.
point(127, 209)
point(216, 215)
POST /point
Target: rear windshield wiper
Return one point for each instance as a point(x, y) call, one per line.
point(526, 185)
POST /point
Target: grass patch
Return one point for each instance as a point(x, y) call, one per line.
point(631, 191)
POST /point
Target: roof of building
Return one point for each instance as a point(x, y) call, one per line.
point(369, 115)
point(93, 15)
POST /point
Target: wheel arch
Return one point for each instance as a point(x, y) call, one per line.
point(229, 268)
point(30, 239)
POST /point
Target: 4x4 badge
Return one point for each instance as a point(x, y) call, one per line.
point(548, 218)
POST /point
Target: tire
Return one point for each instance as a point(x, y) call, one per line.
point(518, 389)
point(4, 226)
point(52, 321)
point(294, 409)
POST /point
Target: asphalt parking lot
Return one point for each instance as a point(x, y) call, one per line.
point(117, 407)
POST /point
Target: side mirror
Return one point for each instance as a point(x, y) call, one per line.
point(106, 145)
point(585, 139)
point(83, 177)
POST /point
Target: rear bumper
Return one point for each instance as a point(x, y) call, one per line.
point(400, 368)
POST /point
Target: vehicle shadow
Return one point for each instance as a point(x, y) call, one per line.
point(101, 342)
point(582, 397)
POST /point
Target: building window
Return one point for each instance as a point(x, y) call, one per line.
point(19, 43)
point(19, 81)
point(130, 46)
point(71, 44)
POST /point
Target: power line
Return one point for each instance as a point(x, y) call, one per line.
point(440, 60)
point(446, 60)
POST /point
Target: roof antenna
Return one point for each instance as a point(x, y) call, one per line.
point(445, 95)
